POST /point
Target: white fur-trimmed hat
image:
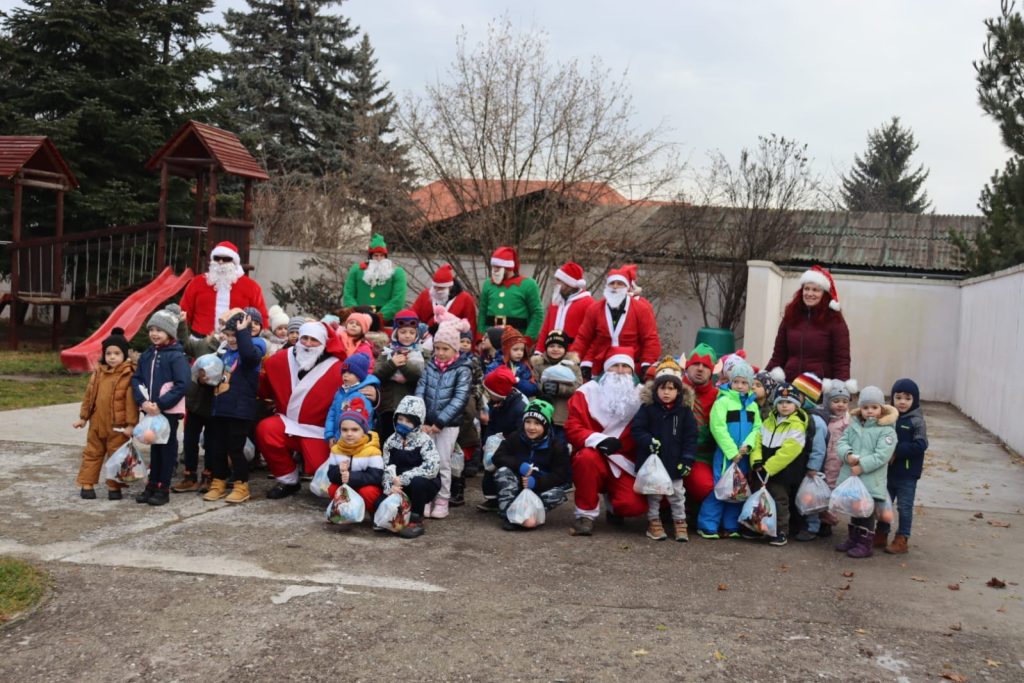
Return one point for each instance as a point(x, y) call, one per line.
point(571, 274)
point(816, 275)
point(231, 251)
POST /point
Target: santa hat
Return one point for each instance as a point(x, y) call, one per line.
point(572, 275)
point(506, 257)
point(500, 381)
point(278, 317)
point(356, 412)
point(316, 330)
point(231, 251)
point(377, 245)
point(626, 275)
point(619, 354)
point(443, 277)
point(817, 275)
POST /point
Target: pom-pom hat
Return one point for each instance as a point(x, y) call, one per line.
point(571, 274)
point(816, 275)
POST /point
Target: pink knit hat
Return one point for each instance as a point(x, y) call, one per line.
point(364, 320)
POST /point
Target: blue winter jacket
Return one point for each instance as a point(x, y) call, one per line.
point(911, 435)
point(506, 417)
point(239, 401)
point(342, 398)
point(159, 366)
point(523, 372)
point(446, 393)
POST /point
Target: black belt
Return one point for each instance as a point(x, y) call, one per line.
point(502, 320)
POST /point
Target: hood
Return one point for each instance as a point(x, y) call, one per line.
point(908, 386)
point(647, 394)
point(888, 418)
point(412, 405)
point(370, 381)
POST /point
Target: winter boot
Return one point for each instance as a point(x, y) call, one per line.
point(880, 540)
point(458, 498)
point(218, 489)
point(863, 547)
point(88, 493)
point(898, 545)
point(114, 493)
point(414, 529)
point(679, 530)
point(439, 510)
point(188, 482)
point(582, 526)
point(851, 539)
point(655, 531)
point(204, 482)
point(239, 494)
point(160, 496)
point(143, 497)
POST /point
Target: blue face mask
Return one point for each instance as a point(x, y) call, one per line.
point(403, 429)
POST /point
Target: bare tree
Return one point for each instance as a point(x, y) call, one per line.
point(521, 149)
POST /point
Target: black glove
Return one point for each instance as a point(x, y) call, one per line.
point(549, 389)
point(609, 446)
point(586, 373)
point(233, 322)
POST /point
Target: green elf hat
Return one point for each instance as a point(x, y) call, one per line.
point(702, 354)
point(377, 245)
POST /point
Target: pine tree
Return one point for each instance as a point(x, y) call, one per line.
point(882, 180)
point(283, 86)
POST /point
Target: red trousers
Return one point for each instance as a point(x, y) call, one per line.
point(277, 448)
point(369, 494)
point(592, 476)
point(699, 484)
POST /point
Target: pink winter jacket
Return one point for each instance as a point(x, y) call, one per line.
point(836, 427)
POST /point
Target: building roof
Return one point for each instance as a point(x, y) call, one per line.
point(199, 140)
point(37, 152)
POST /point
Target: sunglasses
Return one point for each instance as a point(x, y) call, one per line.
point(223, 259)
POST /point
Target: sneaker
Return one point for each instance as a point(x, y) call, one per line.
point(439, 510)
point(679, 530)
point(709, 535)
point(160, 496)
point(582, 526)
point(114, 494)
point(568, 488)
point(188, 482)
point(488, 505)
point(205, 479)
point(507, 525)
point(748, 534)
point(805, 535)
point(88, 494)
point(733, 534)
point(614, 519)
point(426, 510)
point(655, 531)
point(280, 490)
point(779, 540)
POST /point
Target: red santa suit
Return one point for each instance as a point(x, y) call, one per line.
point(636, 329)
point(594, 473)
point(301, 407)
point(462, 305)
point(203, 304)
point(567, 315)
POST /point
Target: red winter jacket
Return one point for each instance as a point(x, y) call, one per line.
point(820, 346)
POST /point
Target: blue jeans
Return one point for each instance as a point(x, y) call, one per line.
point(902, 493)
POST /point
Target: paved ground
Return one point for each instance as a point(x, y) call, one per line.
point(203, 591)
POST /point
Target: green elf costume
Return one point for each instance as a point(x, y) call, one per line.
point(376, 282)
point(508, 298)
point(700, 482)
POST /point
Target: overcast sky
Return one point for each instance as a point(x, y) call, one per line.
point(719, 74)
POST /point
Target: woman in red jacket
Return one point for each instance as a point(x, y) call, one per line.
point(813, 336)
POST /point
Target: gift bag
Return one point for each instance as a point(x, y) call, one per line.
point(758, 513)
point(347, 506)
point(652, 478)
point(851, 498)
point(490, 448)
point(125, 465)
point(249, 450)
point(732, 486)
point(320, 483)
point(153, 429)
point(527, 510)
point(393, 513)
point(885, 511)
point(813, 495)
point(212, 366)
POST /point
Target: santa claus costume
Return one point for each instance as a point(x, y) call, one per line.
point(598, 427)
point(445, 291)
point(567, 313)
point(223, 287)
point(301, 383)
point(620, 319)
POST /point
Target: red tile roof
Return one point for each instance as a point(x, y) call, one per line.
point(196, 139)
point(32, 151)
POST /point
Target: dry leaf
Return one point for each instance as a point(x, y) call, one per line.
point(640, 653)
point(956, 627)
point(718, 656)
point(999, 523)
point(859, 630)
point(848, 575)
point(993, 663)
point(922, 579)
point(845, 588)
point(978, 515)
point(996, 583)
point(723, 586)
point(661, 627)
point(953, 586)
point(784, 567)
point(957, 678)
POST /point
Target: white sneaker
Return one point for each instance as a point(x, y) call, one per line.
point(426, 510)
point(439, 510)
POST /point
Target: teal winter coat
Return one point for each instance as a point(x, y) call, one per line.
point(873, 441)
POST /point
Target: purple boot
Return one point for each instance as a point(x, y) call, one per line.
point(862, 548)
point(851, 539)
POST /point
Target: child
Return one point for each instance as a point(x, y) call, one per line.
point(399, 368)
point(557, 391)
point(502, 415)
point(357, 386)
point(109, 408)
point(295, 323)
point(907, 463)
point(411, 463)
point(445, 387)
point(779, 454)
point(837, 401)
point(512, 355)
point(764, 392)
point(666, 428)
point(734, 424)
point(199, 412)
point(816, 446)
point(159, 385)
point(469, 435)
point(356, 457)
point(234, 410)
point(865, 449)
point(490, 345)
point(533, 459)
point(278, 332)
point(353, 335)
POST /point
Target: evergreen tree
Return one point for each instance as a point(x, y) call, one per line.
point(882, 180)
point(283, 85)
point(108, 81)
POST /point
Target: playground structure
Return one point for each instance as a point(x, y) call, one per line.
point(134, 266)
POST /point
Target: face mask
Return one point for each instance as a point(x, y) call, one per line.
point(403, 429)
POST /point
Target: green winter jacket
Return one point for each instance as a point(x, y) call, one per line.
point(387, 299)
point(727, 425)
point(873, 441)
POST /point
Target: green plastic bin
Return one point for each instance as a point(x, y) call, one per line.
point(721, 340)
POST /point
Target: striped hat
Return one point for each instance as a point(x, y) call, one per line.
point(809, 385)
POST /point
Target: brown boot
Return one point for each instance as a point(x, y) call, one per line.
point(679, 530)
point(655, 531)
point(881, 540)
point(188, 483)
point(898, 545)
point(218, 489)
point(240, 492)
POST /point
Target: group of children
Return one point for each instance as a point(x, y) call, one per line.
point(419, 411)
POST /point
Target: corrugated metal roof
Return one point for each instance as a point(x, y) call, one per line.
point(32, 151)
point(220, 145)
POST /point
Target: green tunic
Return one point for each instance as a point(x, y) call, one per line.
point(519, 298)
point(388, 298)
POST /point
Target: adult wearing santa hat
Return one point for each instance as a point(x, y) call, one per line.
point(813, 336)
point(619, 319)
point(508, 298)
point(301, 383)
point(376, 282)
point(569, 303)
point(224, 286)
point(598, 427)
point(445, 290)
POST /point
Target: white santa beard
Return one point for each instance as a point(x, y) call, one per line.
point(556, 297)
point(499, 278)
point(307, 356)
point(222, 275)
point(618, 396)
point(440, 296)
point(614, 297)
point(378, 272)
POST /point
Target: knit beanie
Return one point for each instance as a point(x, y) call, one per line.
point(668, 370)
point(294, 323)
point(871, 396)
point(509, 338)
point(358, 364)
point(364, 320)
point(500, 381)
point(702, 354)
point(448, 332)
point(117, 339)
point(787, 392)
point(494, 336)
point(741, 368)
point(356, 412)
point(768, 382)
point(907, 386)
point(558, 338)
point(809, 385)
point(166, 321)
point(834, 388)
point(539, 410)
point(255, 314)
point(278, 317)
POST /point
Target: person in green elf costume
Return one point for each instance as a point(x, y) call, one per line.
point(376, 282)
point(700, 366)
point(508, 298)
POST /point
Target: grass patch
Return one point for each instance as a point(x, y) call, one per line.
point(31, 363)
point(21, 587)
point(30, 379)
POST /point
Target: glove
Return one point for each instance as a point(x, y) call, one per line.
point(524, 469)
point(531, 483)
point(686, 470)
point(549, 389)
point(609, 445)
point(586, 373)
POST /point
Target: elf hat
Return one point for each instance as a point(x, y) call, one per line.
point(571, 274)
point(817, 275)
point(231, 251)
point(506, 257)
point(443, 277)
point(377, 245)
point(702, 354)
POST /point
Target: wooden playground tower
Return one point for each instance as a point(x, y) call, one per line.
point(103, 267)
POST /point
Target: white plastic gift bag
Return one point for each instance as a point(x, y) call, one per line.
point(852, 498)
point(732, 486)
point(393, 513)
point(813, 495)
point(125, 465)
point(347, 506)
point(527, 510)
point(652, 478)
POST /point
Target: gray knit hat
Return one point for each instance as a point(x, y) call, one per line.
point(166, 321)
point(834, 389)
point(871, 396)
point(294, 323)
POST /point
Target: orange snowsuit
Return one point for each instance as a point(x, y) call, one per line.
point(108, 403)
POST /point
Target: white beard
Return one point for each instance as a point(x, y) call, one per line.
point(307, 356)
point(378, 272)
point(499, 278)
point(222, 275)
point(556, 297)
point(614, 297)
point(619, 396)
point(439, 297)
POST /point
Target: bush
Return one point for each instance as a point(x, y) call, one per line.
point(314, 294)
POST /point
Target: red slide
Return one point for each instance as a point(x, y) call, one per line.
point(129, 315)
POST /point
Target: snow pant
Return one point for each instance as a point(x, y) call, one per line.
point(444, 441)
point(164, 457)
point(98, 447)
point(420, 492)
point(277, 448)
point(717, 514)
point(592, 475)
point(902, 492)
point(677, 502)
point(370, 494)
point(700, 483)
point(225, 447)
point(509, 486)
